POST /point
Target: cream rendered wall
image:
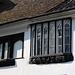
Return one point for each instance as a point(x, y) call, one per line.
point(48, 69)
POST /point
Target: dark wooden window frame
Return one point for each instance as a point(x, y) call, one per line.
point(52, 58)
point(11, 39)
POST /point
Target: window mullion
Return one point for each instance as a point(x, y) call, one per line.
point(70, 35)
point(8, 53)
point(55, 37)
point(62, 36)
point(31, 42)
point(41, 36)
point(3, 50)
point(35, 42)
point(48, 37)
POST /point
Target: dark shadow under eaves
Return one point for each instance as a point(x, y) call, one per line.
point(6, 5)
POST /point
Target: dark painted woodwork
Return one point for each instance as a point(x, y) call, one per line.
point(51, 59)
point(7, 62)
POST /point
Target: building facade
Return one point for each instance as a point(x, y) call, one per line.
point(40, 45)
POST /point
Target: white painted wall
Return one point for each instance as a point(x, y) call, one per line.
point(23, 67)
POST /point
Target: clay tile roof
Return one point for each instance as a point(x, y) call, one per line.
point(11, 10)
point(64, 6)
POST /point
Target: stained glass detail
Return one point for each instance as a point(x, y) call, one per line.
point(66, 25)
point(52, 38)
point(59, 49)
point(67, 31)
point(59, 36)
point(38, 39)
point(67, 35)
point(45, 38)
point(60, 32)
point(67, 48)
point(67, 40)
point(59, 26)
point(60, 41)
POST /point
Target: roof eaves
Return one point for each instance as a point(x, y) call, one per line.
point(59, 11)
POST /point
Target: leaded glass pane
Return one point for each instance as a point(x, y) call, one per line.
point(67, 23)
point(59, 32)
point(67, 48)
point(67, 40)
point(33, 40)
point(45, 38)
point(60, 49)
point(59, 41)
point(6, 50)
point(52, 37)
point(59, 36)
point(52, 42)
point(38, 39)
point(66, 29)
point(1, 46)
point(52, 29)
point(52, 50)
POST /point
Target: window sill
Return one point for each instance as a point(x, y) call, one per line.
point(7, 62)
point(55, 58)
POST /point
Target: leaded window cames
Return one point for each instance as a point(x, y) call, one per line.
point(50, 38)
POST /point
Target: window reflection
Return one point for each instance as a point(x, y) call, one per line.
point(6, 50)
point(38, 41)
point(33, 40)
point(52, 38)
point(67, 36)
point(45, 38)
point(59, 36)
point(17, 52)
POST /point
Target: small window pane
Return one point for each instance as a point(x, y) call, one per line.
point(52, 29)
point(45, 38)
point(66, 35)
point(67, 31)
point(1, 46)
point(52, 42)
point(17, 52)
point(6, 50)
point(60, 49)
point(67, 40)
point(59, 41)
point(52, 50)
point(38, 39)
point(33, 40)
point(52, 37)
point(60, 32)
point(59, 36)
point(67, 23)
point(67, 48)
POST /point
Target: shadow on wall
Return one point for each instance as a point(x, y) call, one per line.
point(6, 5)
